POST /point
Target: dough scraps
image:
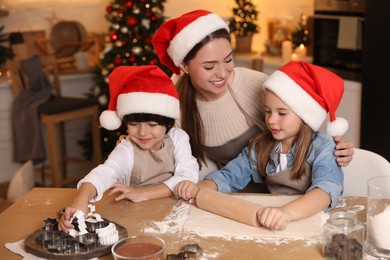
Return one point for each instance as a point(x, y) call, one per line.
point(208, 224)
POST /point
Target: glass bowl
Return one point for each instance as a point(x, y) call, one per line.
point(142, 247)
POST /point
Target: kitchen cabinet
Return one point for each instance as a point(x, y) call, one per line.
point(350, 109)
point(375, 127)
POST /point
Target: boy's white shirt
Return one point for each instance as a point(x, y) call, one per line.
point(120, 162)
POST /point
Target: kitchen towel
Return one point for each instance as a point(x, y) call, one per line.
point(18, 248)
point(350, 33)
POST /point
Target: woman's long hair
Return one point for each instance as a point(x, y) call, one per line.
point(263, 143)
point(190, 120)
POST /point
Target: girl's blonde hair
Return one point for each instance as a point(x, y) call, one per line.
point(263, 144)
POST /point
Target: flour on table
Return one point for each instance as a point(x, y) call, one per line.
point(173, 222)
point(189, 219)
point(208, 224)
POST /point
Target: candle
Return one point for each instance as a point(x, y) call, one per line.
point(301, 52)
point(286, 50)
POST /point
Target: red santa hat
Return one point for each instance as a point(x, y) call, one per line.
point(310, 92)
point(139, 89)
point(176, 37)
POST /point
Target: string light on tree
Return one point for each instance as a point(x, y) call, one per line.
point(243, 24)
point(301, 33)
point(244, 20)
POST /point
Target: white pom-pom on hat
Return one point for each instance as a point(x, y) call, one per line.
point(338, 127)
point(109, 120)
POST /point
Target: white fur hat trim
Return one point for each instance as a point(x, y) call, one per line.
point(297, 99)
point(192, 34)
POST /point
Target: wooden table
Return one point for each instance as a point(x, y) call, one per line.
point(28, 213)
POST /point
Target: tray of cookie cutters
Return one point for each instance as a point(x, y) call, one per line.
point(92, 237)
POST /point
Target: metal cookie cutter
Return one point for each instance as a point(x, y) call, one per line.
point(194, 250)
point(187, 251)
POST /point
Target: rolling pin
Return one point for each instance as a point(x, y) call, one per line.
point(228, 206)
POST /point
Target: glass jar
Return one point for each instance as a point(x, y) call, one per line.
point(343, 236)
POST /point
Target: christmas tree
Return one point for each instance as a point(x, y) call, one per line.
point(243, 22)
point(6, 52)
point(301, 34)
point(132, 26)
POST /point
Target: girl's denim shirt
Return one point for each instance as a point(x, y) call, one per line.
point(326, 173)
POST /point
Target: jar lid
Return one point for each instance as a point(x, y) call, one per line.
point(343, 218)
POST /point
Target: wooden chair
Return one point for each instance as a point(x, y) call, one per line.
point(54, 114)
point(364, 165)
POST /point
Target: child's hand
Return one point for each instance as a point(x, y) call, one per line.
point(187, 190)
point(64, 223)
point(127, 192)
point(273, 218)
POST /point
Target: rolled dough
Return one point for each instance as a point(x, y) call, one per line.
point(208, 224)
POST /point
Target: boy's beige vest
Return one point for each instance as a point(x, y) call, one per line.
point(153, 167)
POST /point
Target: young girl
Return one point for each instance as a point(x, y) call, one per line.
point(154, 157)
point(291, 156)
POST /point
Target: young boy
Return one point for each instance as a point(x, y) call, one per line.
point(154, 157)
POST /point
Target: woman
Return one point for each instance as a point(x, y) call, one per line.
point(291, 156)
point(221, 106)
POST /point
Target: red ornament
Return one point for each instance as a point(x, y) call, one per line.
point(113, 36)
point(129, 4)
point(143, 1)
point(148, 39)
point(153, 62)
point(132, 59)
point(131, 21)
point(118, 61)
point(153, 18)
point(121, 11)
point(109, 9)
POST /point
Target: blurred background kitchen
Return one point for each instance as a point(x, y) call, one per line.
point(346, 36)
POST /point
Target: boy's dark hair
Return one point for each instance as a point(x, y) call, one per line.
point(145, 117)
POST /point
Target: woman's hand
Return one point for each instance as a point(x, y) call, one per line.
point(121, 137)
point(344, 151)
point(187, 190)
